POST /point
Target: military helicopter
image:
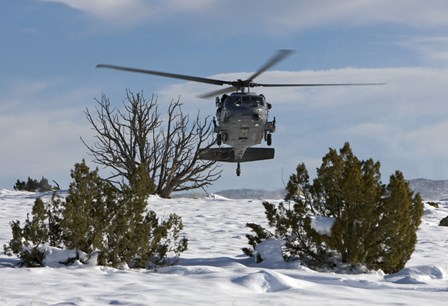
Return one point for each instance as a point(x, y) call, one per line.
point(242, 117)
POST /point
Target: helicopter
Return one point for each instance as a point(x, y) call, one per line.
point(241, 115)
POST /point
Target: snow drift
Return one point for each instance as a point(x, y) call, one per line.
point(214, 270)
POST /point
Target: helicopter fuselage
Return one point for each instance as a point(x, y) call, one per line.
point(242, 121)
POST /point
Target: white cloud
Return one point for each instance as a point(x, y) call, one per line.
point(235, 15)
point(123, 12)
point(40, 143)
point(433, 48)
point(40, 132)
point(361, 12)
point(130, 12)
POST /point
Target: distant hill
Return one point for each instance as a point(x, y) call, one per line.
point(256, 194)
point(430, 189)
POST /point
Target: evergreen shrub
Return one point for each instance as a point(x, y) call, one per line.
point(99, 220)
point(34, 185)
point(373, 225)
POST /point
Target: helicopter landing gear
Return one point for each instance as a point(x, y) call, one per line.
point(221, 137)
point(268, 138)
point(238, 169)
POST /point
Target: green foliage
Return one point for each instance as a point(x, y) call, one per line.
point(260, 235)
point(374, 225)
point(95, 217)
point(34, 185)
point(26, 241)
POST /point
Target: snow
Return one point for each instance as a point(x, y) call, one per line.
point(214, 270)
point(322, 224)
point(270, 251)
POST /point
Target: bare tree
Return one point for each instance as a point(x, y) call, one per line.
point(168, 149)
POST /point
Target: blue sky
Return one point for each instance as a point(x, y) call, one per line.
point(48, 77)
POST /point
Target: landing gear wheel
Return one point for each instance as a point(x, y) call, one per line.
point(218, 139)
point(269, 139)
point(238, 169)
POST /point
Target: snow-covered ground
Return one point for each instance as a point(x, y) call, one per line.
point(214, 270)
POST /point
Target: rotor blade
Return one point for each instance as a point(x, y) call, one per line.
point(165, 74)
point(317, 84)
point(281, 54)
point(218, 92)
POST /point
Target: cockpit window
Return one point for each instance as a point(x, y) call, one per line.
point(249, 100)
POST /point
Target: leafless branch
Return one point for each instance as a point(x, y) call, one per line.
point(137, 136)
